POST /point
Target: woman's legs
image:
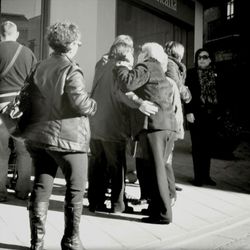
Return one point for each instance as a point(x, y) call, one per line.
point(23, 164)
point(4, 158)
point(97, 176)
point(45, 169)
point(116, 162)
point(74, 167)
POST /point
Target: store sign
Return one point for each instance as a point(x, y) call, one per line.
point(172, 4)
point(181, 9)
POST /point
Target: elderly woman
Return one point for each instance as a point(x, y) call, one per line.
point(58, 134)
point(156, 133)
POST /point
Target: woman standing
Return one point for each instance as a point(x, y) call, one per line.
point(155, 133)
point(58, 134)
point(176, 70)
point(201, 114)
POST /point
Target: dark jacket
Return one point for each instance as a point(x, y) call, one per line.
point(15, 77)
point(60, 106)
point(110, 123)
point(195, 106)
point(148, 81)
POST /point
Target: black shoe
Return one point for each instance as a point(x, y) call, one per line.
point(178, 188)
point(154, 220)
point(210, 182)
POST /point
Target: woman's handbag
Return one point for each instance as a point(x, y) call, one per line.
point(16, 114)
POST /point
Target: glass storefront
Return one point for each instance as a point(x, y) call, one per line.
point(144, 25)
point(26, 14)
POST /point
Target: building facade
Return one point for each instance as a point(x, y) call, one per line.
point(100, 21)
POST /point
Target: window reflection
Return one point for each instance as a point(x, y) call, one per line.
point(26, 14)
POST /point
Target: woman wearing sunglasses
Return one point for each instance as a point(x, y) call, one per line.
point(201, 113)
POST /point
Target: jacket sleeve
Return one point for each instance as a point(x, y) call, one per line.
point(130, 80)
point(191, 77)
point(77, 94)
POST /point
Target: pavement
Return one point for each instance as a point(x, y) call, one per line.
point(204, 218)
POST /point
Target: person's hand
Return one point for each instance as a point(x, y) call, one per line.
point(173, 200)
point(130, 58)
point(148, 108)
point(190, 117)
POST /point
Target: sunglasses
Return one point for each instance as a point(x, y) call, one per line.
point(204, 57)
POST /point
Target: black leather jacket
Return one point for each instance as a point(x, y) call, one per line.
point(60, 106)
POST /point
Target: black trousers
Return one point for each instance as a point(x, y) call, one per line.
point(202, 133)
point(46, 162)
point(107, 167)
point(160, 176)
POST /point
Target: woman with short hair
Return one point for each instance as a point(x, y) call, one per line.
point(58, 134)
point(156, 133)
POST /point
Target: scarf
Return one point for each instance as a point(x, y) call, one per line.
point(207, 79)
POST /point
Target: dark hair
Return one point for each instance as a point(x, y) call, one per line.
point(197, 53)
point(61, 35)
point(120, 47)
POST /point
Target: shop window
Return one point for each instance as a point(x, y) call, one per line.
point(27, 15)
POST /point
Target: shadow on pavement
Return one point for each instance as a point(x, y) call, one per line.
point(232, 174)
point(9, 246)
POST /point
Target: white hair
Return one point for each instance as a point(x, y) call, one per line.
point(155, 51)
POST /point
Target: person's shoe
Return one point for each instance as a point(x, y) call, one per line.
point(178, 188)
point(21, 196)
point(154, 220)
point(210, 182)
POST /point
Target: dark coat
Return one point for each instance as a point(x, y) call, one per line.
point(13, 81)
point(110, 123)
point(195, 106)
point(148, 81)
point(60, 106)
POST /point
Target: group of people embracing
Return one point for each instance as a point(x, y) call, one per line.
point(138, 97)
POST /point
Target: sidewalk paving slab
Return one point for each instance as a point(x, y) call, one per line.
point(204, 218)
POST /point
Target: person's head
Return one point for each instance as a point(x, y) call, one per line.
point(155, 51)
point(64, 38)
point(175, 49)
point(121, 47)
point(9, 31)
point(203, 58)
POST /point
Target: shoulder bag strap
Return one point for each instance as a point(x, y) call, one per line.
point(12, 61)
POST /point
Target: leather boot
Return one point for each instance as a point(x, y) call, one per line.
point(37, 216)
point(72, 217)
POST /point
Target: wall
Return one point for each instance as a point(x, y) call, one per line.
point(106, 26)
point(96, 20)
point(198, 26)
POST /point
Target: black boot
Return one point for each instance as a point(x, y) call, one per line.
point(37, 216)
point(72, 217)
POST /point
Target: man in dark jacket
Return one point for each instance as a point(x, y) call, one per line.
point(11, 82)
point(157, 132)
point(110, 130)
